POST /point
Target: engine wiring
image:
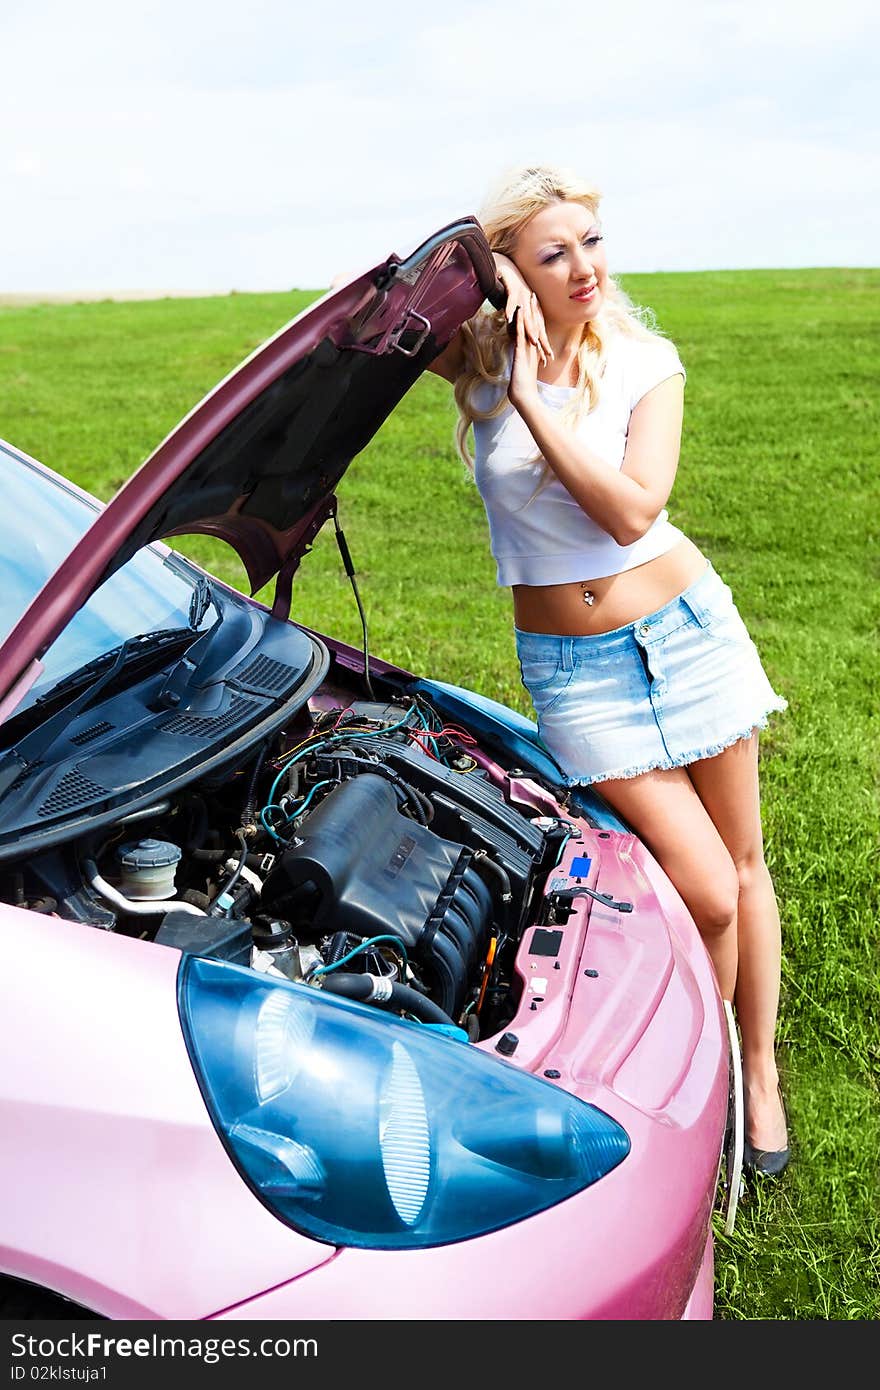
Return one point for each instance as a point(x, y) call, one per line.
point(358, 950)
point(428, 738)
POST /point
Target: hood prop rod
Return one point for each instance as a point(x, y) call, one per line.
point(348, 563)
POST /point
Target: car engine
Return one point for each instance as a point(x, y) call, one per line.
point(367, 851)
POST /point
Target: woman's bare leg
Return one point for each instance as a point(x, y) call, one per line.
point(727, 786)
point(667, 814)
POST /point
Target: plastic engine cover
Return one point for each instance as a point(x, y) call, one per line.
point(364, 868)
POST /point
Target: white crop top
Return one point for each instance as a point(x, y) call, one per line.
point(550, 539)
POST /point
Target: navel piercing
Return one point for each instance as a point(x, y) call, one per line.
point(589, 597)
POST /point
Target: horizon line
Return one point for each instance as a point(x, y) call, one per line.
point(26, 298)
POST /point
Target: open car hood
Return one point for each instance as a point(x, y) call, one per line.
point(257, 461)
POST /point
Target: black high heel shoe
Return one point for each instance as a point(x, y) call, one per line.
point(768, 1163)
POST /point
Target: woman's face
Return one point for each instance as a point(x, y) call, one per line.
point(560, 253)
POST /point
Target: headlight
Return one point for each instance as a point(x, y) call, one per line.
point(362, 1129)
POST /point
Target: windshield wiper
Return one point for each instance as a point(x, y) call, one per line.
point(203, 598)
point(145, 643)
point(131, 649)
point(93, 678)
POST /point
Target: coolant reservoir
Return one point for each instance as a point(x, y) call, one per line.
point(147, 867)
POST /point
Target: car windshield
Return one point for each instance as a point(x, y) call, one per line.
point(42, 521)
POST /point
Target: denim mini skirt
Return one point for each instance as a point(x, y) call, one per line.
point(676, 686)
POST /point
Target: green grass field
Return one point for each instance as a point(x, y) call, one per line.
point(777, 483)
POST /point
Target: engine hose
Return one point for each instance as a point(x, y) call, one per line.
point(139, 907)
point(145, 813)
point(254, 859)
point(249, 822)
point(427, 804)
point(411, 797)
point(230, 883)
point(407, 802)
point(482, 860)
point(341, 943)
point(417, 801)
point(385, 994)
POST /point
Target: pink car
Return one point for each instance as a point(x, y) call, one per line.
point(322, 998)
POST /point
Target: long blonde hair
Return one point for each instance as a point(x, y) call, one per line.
point(485, 338)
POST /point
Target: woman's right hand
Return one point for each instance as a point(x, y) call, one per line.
point(520, 296)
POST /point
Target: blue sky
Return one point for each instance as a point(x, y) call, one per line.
point(203, 145)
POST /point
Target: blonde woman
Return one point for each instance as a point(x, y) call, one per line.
point(642, 674)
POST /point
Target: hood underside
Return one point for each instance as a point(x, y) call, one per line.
point(257, 461)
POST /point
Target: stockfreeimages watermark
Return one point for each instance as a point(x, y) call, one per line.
point(31, 1353)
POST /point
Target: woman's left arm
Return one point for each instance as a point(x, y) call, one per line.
point(624, 502)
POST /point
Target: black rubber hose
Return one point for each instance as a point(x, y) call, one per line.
point(400, 997)
point(249, 810)
point(230, 883)
point(408, 799)
point(427, 803)
point(254, 860)
point(341, 942)
point(482, 861)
